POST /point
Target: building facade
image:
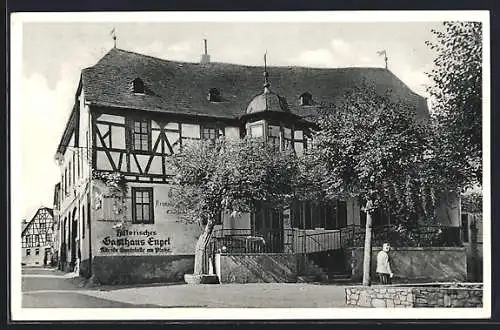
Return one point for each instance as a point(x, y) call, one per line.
point(132, 111)
point(37, 239)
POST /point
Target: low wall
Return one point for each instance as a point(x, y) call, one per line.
point(474, 262)
point(141, 269)
point(389, 296)
point(415, 263)
point(256, 268)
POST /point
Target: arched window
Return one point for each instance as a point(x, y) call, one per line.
point(306, 99)
point(214, 95)
point(138, 86)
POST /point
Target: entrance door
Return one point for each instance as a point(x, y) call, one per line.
point(268, 224)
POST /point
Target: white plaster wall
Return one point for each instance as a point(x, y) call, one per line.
point(169, 235)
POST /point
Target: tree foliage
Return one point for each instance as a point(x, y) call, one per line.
point(371, 147)
point(229, 176)
point(456, 95)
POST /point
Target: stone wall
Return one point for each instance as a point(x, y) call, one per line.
point(392, 296)
point(256, 268)
point(415, 264)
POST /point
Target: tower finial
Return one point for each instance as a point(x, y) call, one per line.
point(114, 37)
point(266, 82)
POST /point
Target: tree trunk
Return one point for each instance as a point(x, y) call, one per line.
point(201, 247)
point(367, 260)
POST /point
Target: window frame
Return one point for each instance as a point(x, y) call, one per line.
point(133, 134)
point(305, 99)
point(28, 252)
point(148, 190)
point(138, 86)
point(209, 127)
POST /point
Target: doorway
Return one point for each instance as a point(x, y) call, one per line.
point(268, 223)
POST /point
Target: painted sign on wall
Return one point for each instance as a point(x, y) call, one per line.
point(135, 241)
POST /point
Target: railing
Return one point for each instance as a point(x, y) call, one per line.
point(302, 241)
point(249, 241)
point(398, 235)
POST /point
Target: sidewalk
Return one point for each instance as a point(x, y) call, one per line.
point(274, 295)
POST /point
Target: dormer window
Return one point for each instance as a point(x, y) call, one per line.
point(306, 99)
point(214, 95)
point(138, 86)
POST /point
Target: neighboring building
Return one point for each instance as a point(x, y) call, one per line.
point(36, 239)
point(132, 111)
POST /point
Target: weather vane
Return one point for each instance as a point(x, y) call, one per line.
point(383, 52)
point(114, 36)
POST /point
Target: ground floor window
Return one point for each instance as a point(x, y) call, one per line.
point(142, 205)
point(37, 251)
point(309, 215)
point(28, 252)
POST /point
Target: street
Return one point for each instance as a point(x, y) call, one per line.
point(47, 288)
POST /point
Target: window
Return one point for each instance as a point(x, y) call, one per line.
point(140, 135)
point(37, 240)
point(42, 226)
point(83, 221)
point(274, 137)
point(465, 228)
point(79, 162)
point(312, 215)
point(209, 133)
point(65, 182)
point(69, 177)
point(306, 99)
point(214, 95)
point(47, 237)
point(37, 251)
point(138, 86)
point(74, 172)
point(256, 131)
point(142, 205)
point(28, 252)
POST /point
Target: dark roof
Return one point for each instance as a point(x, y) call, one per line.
point(267, 101)
point(179, 87)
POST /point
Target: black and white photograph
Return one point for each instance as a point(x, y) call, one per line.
point(250, 165)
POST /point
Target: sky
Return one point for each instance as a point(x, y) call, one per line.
point(53, 54)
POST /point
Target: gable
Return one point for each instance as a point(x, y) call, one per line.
point(40, 223)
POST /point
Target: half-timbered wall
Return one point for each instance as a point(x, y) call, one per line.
point(37, 237)
point(137, 146)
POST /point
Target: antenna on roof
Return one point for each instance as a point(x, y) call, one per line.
point(114, 37)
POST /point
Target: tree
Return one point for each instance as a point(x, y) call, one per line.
point(228, 176)
point(456, 96)
point(370, 147)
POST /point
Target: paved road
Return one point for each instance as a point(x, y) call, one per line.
point(47, 288)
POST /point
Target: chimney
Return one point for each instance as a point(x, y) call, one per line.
point(205, 58)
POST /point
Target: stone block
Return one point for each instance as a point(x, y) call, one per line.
point(390, 303)
point(378, 302)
